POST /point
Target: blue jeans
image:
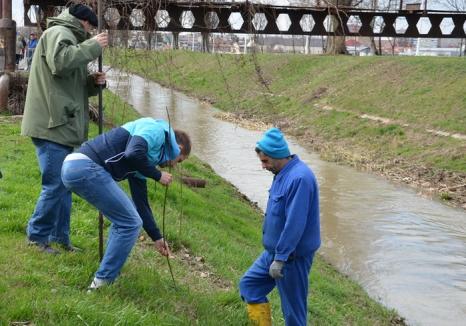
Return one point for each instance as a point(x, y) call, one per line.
point(293, 287)
point(93, 183)
point(51, 218)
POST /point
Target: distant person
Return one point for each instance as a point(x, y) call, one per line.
point(132, 151)
point(291, 236)
point(20, 46)
point(56, 114)
point(31, 48)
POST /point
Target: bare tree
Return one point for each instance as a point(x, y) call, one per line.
point(336, 44)
point(457, 5)
point(374, 49)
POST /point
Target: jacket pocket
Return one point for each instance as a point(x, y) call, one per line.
point(277, 205)
point(61, 110)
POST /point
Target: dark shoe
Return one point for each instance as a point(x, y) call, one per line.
point(44, 247)
point(71, 248)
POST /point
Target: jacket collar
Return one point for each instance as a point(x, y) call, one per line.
point(294, 160)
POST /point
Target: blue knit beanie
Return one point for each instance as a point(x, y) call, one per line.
point(273, 144)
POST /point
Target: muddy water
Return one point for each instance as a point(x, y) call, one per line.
point(406, 251)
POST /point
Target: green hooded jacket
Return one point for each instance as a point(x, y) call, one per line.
point(56, 107)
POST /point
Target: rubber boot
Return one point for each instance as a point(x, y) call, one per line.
point(259, 314)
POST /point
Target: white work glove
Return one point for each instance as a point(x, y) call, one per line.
point(275, 269)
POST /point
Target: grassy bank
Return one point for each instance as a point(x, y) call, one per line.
point(320, 99)
point(218, 239)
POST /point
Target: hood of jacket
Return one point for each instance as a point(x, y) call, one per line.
point(72, 23)
point(162, 146)
point(173, 150)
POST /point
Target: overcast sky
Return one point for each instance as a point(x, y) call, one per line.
point(18, 9)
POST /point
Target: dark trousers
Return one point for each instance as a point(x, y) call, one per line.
point(18, 58)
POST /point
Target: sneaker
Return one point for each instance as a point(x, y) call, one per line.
point(97, 283)
point(44, 247)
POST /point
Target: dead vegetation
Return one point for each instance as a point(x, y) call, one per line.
point(194, 265)
point(17, 95)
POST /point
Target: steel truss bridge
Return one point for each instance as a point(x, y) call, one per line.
point(253, 18)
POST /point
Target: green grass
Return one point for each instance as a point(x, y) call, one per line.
point(290, 90)
point(216, 224)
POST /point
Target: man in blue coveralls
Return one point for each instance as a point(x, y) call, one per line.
point(291, 235)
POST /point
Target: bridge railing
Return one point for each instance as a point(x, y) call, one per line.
point(252, 18)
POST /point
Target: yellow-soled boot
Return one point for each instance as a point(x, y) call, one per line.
point(259, 314)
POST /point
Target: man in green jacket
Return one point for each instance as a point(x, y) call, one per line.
point(56, 114)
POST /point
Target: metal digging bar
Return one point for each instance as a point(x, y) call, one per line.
point(101, 123)
point(170, 269)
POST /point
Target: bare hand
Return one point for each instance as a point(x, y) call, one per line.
point(166, 178)
point(99, 78)
point(102, 39)
point(162, 247)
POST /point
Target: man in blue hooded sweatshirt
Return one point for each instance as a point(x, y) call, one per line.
point(132, 151)
point(291, 235)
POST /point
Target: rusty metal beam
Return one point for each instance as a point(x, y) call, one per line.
point(8, 35)
point(351, 21)
point(6, 9)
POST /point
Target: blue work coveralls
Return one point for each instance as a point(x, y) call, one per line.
point(291, 233)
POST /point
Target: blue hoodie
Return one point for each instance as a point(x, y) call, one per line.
point(132, 152)
point(134, 149)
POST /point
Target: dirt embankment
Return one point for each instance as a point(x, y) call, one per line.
point(448, 187)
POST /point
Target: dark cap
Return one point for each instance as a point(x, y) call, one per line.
point(84, 12)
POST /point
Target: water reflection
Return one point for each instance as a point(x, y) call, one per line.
point(406, 251)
